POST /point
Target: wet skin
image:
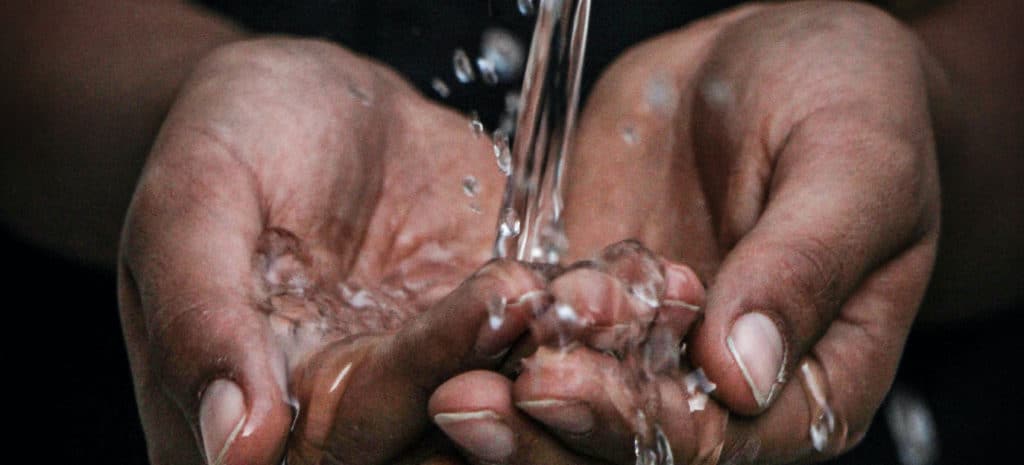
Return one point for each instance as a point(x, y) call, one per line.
point(786, 154)
point(287, 168)
point(292, 221)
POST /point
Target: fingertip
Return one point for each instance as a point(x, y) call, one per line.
point(243, 423)
point(756, 346)
point(473, 410)
point(747, 359)
point(470, 391)
point(222, 415)
point(682, 285)
point(506, 321)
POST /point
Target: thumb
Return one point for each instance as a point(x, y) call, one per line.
point(378, 408)
point(208, 376)
point(839, 206)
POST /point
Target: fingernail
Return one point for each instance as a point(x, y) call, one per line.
point(221, 417)
point(481, 433)
point(569, 416)
point(756, 345)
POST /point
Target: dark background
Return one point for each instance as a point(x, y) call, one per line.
point(70, 385)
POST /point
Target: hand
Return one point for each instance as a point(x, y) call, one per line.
point(786, 154)
point(290, 261)
point(610, 341)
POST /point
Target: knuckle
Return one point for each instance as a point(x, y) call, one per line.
point(507, 278)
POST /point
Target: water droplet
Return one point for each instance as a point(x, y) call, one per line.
point(646, 292)
point(663, 447)
point(697, 402)
point(476, 125)
point(637, 268)
point(553, 243)
point(475, 208)
point(912, 426)
point(629, 135)
point(507, 123)
point(827, 432)
point(660, 352)
point(440, 87)
point(567, 322)
point(658, 453)
point(502, 154)
point(698, 386)
point(470, 186)
point(296, 410)
point(503, 53)
point(487, 71)
point(526, 7)
point(717, 92)
point(661, 94)
point(362, 299)
point(509, 226)
point(566, 313)
point(359, 94)
point(512, 102)
point(463, 68)
point(697, 381)
point(496, 311)
point(822, 426)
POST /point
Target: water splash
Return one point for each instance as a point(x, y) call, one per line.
point(470, 186)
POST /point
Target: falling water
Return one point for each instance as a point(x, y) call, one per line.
point(549, 101)
point(530, 225)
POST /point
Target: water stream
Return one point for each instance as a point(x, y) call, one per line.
point(530, 225)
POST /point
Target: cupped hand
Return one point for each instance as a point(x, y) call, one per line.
point(786, 154)
point(292, 258)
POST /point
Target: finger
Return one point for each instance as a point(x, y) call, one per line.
point(372, 393)
point(581, 397)
point(838, 386)
point(780, 287)
point(672, 289)
point(616, 299)
point(682, 304)
point(590, 401)
point(475, 410)
point(202, 354)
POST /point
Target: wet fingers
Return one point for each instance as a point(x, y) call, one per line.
point(475, 411)
point(592, 402)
